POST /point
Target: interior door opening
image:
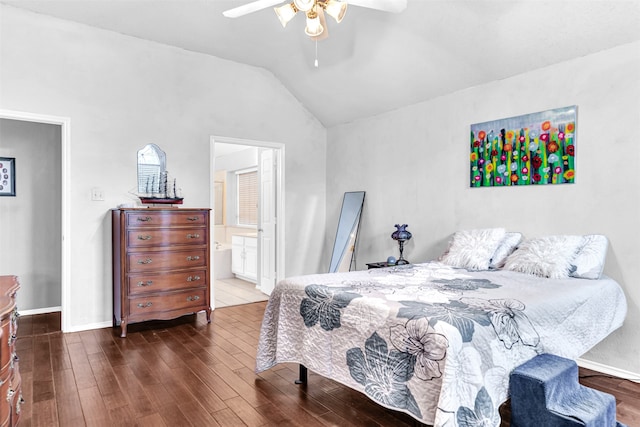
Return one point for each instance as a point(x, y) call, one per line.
point(62, 282)
point(247, 198)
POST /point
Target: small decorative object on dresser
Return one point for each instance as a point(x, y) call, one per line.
point(161, 267)
point(401, 235)
point(154, 185)
point(10, 381)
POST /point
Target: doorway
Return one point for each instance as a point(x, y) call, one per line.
point(247, 246)
point(63, 288)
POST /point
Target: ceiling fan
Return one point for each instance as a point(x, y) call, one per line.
point(314, 10)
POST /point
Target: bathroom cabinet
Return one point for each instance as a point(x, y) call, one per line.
point(244, 257)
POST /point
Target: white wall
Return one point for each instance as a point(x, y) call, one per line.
point(414, 165)
point(121, 93)
point(30, 222)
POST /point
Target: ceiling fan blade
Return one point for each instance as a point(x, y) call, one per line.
point(395, 6)
point(250, 8)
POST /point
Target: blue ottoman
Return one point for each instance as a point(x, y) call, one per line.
point(545, 392)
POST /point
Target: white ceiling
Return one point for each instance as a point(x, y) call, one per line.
point(373, 61)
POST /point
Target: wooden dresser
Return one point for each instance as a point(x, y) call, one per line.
point(161, 264)
point(10, 381)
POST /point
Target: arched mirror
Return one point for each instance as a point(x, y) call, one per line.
point(348, 224)
point(152, 163)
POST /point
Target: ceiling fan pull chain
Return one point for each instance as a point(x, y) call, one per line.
point(316, 62)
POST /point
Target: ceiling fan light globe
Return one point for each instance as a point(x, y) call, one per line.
point(314, 27)
point(304, 5)
point(336, 9)
point(285, 13)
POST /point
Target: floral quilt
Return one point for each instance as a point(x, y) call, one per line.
point(431, 340)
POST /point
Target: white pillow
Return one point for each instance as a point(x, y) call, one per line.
point(549, 256)
point(589, 262)
point(472, 249)
point(509, 243)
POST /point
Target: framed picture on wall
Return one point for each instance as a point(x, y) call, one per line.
point(7, 176)
point(533, 149)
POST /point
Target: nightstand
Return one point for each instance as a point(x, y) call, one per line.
point(379, 265)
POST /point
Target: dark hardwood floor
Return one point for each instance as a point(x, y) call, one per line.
point(186, 372)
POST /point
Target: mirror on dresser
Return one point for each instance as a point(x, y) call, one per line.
point(152, 163)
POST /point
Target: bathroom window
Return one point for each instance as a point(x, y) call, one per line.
point(247, 197)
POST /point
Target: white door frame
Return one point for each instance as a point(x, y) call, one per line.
point(279, 205)
point(65, 130)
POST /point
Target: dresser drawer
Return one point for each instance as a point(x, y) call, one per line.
point(153, 261)
point(193, 298)
point(140, 238)
point(150, 282)
point(164, 219)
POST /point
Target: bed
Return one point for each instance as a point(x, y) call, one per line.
point(434, 340)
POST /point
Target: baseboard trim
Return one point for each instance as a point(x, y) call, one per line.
point(609, 370)
point(80, 328)
point(39, 311)
point(90, 326)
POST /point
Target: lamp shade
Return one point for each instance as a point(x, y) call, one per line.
point(336, 9)
point(314, 27)
point(304, 5)
point(285, 13)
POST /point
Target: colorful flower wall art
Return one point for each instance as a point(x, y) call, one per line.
point(534, 149)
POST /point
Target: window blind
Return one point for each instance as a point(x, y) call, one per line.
point(247, 198)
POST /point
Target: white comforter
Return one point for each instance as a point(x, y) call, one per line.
point(430, 340)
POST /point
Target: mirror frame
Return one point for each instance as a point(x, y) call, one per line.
point(347, 233)
point(144, 186)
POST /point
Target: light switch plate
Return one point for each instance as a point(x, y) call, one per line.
point(97, 194)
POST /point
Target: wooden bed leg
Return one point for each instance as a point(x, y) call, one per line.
point(302, 376)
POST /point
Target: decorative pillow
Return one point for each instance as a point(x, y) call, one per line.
point(472, 249)
point(509, 243)
point(589, 262)
point(549, 256)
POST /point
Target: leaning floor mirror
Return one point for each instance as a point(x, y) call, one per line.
point(342, 257)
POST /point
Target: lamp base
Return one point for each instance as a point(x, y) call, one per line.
point(401, 260)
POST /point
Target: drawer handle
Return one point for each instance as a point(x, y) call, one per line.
point(193, 258)
point(193, 298)
point(193, 278)
point(19, 403)
point(141, 237)
point(192, 218)
point(193, 236)
point(144, 304)
point(145, 219)
point(145, 261)
point(147, 283)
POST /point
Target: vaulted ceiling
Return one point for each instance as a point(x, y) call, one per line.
point(373, 62)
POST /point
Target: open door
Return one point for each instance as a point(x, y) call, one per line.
point(267, 164)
